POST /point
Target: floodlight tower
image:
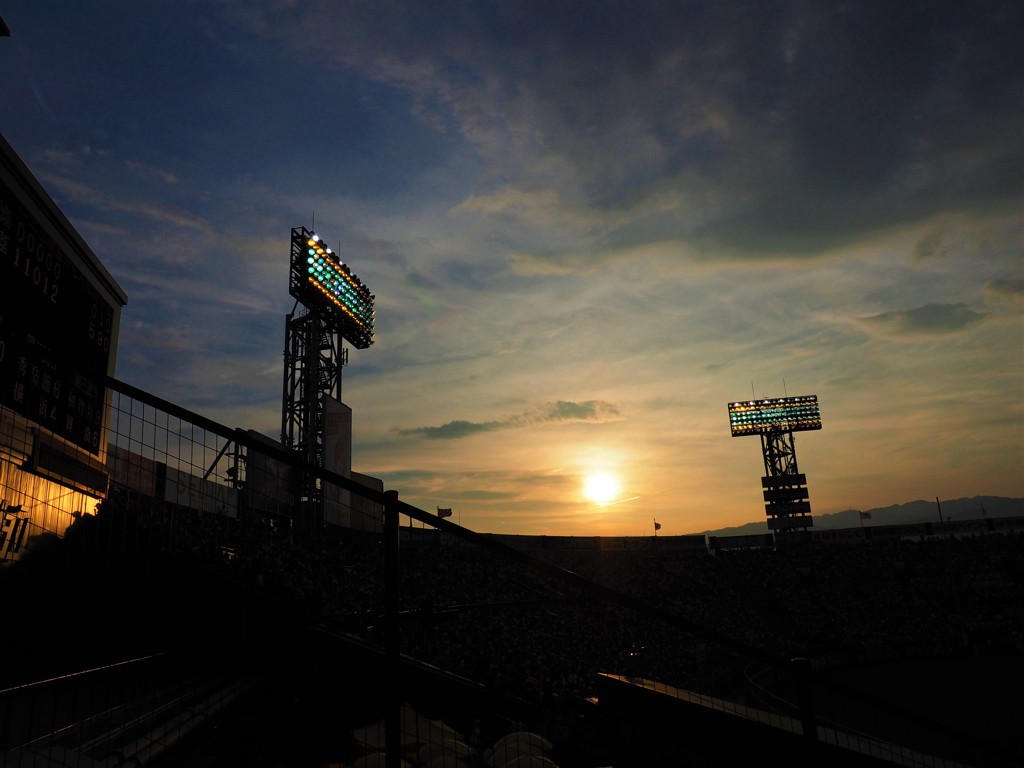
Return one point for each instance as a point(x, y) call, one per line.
point(335, 306)
point(784, 486)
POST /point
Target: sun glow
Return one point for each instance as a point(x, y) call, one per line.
point(601, 487)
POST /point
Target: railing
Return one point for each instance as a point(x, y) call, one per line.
point(230, 577)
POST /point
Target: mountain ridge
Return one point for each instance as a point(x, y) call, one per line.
point(918, 511)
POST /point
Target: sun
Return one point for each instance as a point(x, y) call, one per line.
point(601, 487)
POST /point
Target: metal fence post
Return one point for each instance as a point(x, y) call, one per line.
point(392, 640)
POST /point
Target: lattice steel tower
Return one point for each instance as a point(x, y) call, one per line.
point(313, 361)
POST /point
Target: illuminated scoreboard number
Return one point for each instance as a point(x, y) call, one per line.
point(55, 331)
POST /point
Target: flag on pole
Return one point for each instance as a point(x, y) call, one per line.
point(443, 513)
point(865, 515)
point(657, 525)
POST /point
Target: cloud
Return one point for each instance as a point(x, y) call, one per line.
point(594, 411)
point(1005, 293)
point(454, 429)
point(481, 486)
point(786, 128)
point(947, 243)
point(158, 173)
point(929, 320)
point(90, 196)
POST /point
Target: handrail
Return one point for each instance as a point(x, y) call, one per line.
point(394, 506)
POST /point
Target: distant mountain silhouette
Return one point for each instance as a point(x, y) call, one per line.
point(919, 511)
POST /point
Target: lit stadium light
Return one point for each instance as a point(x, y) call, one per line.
point(786, 414)
point(322, 281)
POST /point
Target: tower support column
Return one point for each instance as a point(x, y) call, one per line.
point(313, 361)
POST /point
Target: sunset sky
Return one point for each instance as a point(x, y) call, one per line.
point(589, 226)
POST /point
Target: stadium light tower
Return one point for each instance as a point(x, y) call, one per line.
point(335, 306)
point(784, 486)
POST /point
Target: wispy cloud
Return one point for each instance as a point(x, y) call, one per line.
point(88, 195)
point(929, 320)
point(592, 411)
point(1009, 293)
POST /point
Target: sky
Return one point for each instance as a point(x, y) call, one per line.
point(588, 226)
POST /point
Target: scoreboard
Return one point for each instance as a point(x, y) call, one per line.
point(56, 330)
